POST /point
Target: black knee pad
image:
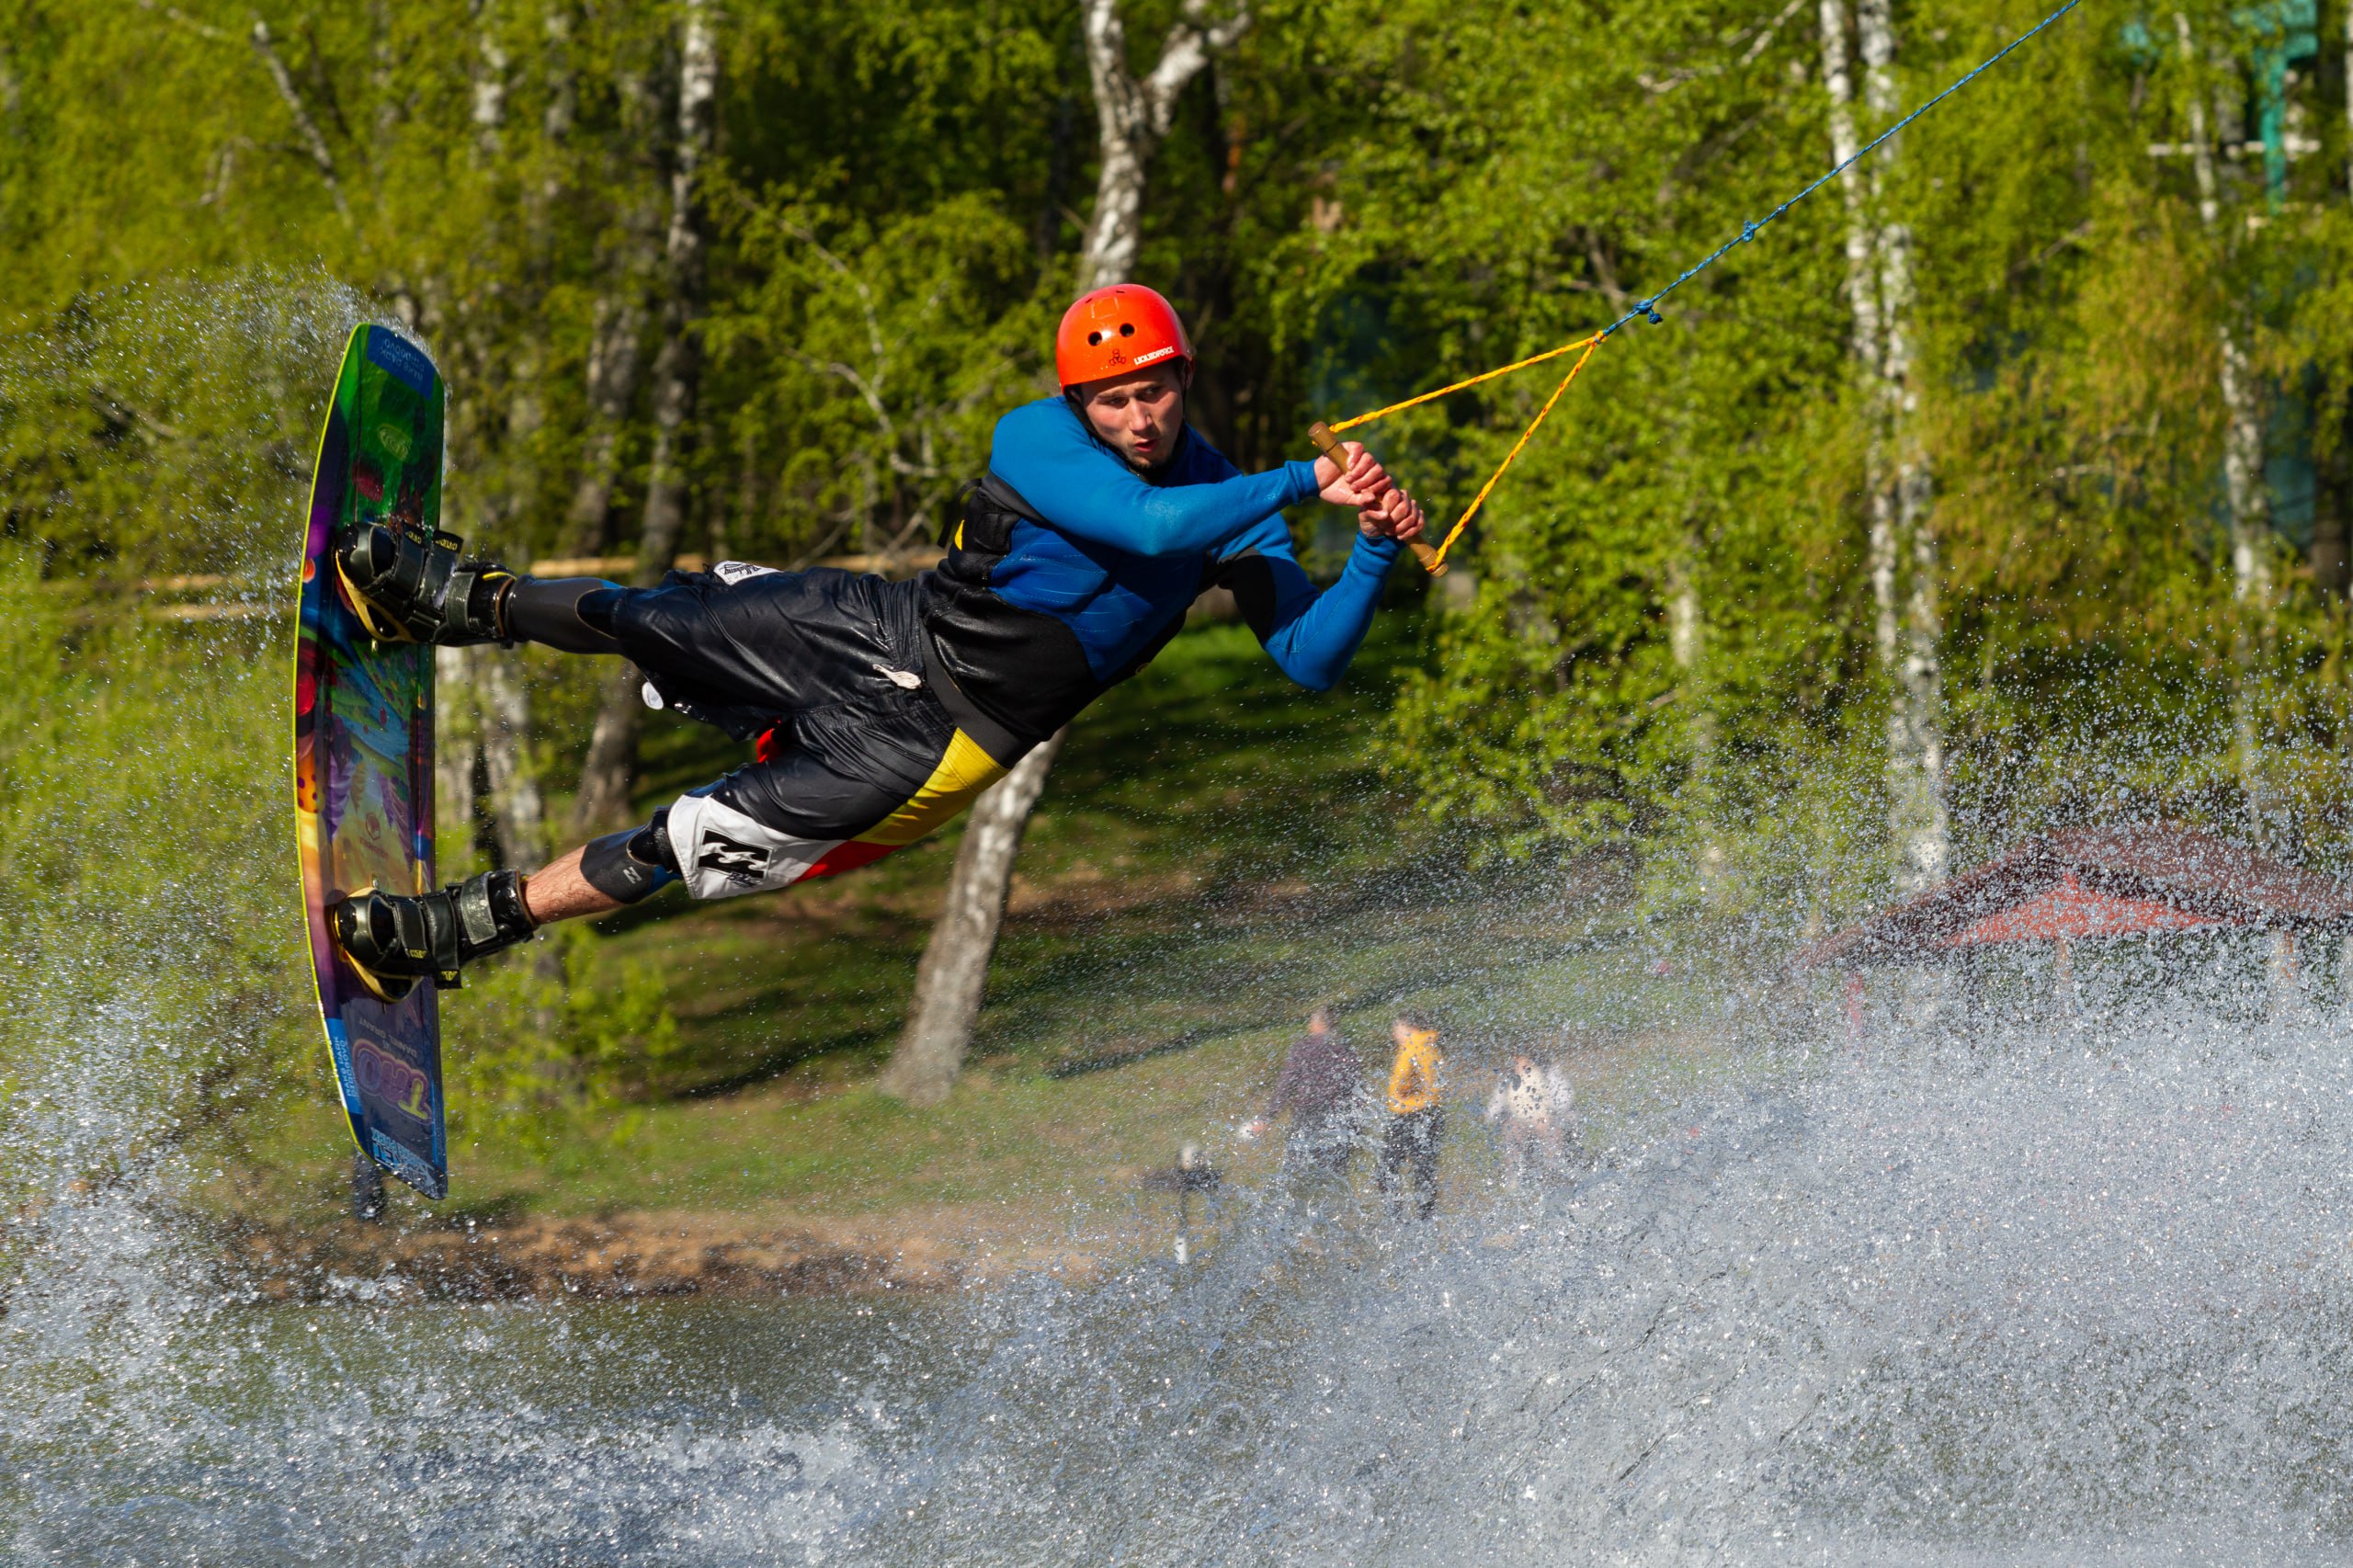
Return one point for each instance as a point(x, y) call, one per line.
point(634, 864)
point(549, 610)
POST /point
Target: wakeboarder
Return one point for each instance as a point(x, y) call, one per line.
point(878, 709)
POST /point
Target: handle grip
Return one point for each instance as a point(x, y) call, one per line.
point(1330, 446)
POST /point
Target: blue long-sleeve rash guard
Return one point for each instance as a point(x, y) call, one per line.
point(1120, 554)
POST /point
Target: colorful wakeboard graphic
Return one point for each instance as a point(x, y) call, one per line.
point(363, 748)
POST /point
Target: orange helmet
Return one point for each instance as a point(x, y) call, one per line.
point(1109, 332)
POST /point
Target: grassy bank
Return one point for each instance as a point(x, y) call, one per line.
point(1216, 853)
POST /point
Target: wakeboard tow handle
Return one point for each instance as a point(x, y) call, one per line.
point(1332, 447)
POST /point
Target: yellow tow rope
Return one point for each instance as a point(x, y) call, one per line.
point(1327, 437)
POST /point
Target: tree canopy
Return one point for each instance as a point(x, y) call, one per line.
point(1668, 646)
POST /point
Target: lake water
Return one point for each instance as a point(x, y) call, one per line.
point(2077, 1294)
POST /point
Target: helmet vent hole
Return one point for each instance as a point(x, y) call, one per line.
point(1127, 329)
point(1093, 338)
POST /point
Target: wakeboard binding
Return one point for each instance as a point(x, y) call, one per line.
point(394, 940)
point(407, 586)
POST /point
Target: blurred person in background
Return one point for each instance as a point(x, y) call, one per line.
point(1416, 1117)
point(1531, 1108)
point(1321, 1086)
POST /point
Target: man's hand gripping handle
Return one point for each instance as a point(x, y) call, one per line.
point(1331, 447)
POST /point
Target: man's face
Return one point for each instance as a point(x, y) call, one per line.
point(1139, 416)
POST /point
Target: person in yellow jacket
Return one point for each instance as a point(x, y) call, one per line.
point(1416, 1117)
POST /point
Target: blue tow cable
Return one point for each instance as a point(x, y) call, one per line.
point(1649, 308)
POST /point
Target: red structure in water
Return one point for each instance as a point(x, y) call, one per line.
point(2090, 884)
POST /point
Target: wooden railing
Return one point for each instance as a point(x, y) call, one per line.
point(1216, 604)
point(615, 566)
point(904, 564)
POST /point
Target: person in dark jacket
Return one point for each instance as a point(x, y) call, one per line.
point(1321, 1086)
point(878, 711)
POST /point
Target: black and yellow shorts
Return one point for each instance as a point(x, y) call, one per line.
point(857, 750)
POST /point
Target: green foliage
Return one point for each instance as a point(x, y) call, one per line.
point(1527, 184)
point(876, 361)
point(128, 759)
point(553, 1043)
point(1511, 187)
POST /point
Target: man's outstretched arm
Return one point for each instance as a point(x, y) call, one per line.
point(1043, 451)
point(1310, 636)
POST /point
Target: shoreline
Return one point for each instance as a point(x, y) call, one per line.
point(644, 1254)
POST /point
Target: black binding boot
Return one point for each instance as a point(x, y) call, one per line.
point(393, 941)
point(407, 589)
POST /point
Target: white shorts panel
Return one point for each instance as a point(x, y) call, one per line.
point(723, 853)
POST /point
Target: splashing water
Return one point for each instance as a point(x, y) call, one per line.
point(2010, 1302)
point(2069, 1296)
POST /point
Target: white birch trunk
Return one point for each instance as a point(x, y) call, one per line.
point(1907, 626)
point(611, 765)
point(1687, 645)
point(564, 88)
point(616, 353)
point(953, 976)
point(1915, 763)
point(1107, 254)
point(313, 141)
point(1863, 294)
point(1687, 639)
point(2243, 480)
point(1132, 116)
point(516, 803)
point(519, 814)
point(617, 335)
point(2241, 472)
point(457, 746)
point(676, 366)
point(489, 83)
point(1923, 824)
point(482, 761)
point(1837, 81)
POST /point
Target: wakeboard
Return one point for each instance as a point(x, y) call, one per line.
point(363, 748)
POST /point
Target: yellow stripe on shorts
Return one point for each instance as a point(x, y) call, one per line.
point(964, 771)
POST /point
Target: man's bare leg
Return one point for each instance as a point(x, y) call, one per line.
point(394, 940)
point(558, 890)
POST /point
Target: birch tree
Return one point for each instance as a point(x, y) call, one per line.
point(1904, 565)
point(628, 266)
point(1133, 116)
point(485, 760)
point(2242, 464)
point(1686, 636)
point(606, 776)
